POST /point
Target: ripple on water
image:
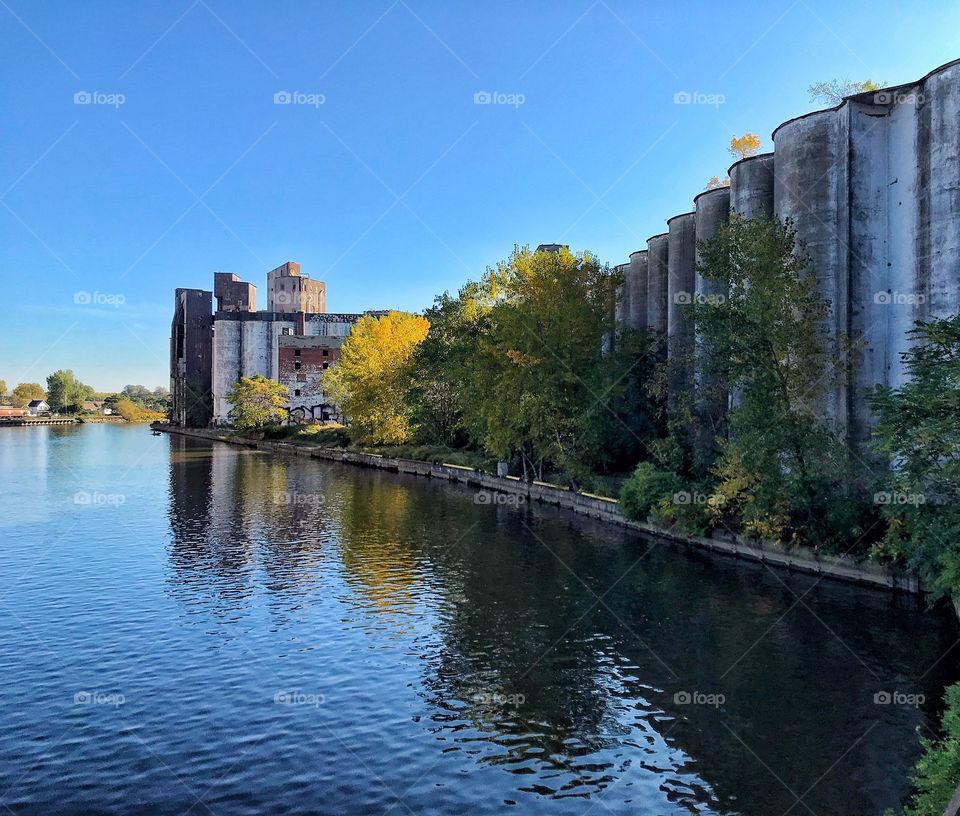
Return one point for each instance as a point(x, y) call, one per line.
point(286, 636)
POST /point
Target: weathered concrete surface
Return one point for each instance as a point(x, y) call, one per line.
point(811, 189)
point(938, 229)
point(751, 186)
point(658, 249)
point(638, 289)
point(681, 282)
point(712, 212)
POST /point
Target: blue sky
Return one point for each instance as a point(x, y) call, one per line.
point(382, 177)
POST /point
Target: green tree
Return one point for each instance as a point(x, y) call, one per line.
point(540, 385)
point(835, 91)
point(783, 471)
point(937, 773)
point(65, 393)
point(24, 393)
point(918, 428)
point(256, 402)
point(374, 375)
point(3, 388)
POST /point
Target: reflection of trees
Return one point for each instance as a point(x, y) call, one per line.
point(524, 669)
point(382, 526)
point(604, 694)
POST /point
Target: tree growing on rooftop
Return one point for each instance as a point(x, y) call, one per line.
point(742, 147)
point(835, 91)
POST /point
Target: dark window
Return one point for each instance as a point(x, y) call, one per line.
point(296, 392)
point(326, 365)
point(296, 366)
point(296, 352)
point(326, 353)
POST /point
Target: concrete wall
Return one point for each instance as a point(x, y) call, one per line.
point(712, 210)
point(872, 188)
point(191, 400)
point(658, 275)
point(637, 283)
point(249, 343)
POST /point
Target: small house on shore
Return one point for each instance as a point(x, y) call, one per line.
point(38, 407)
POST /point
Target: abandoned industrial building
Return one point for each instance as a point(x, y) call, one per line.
point(872, 187)
point(293, 342)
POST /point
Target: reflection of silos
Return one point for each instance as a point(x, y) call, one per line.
point(811, 189)
point(713, 210)
point(938, 228)
point(657, 276)
point(751, 186)
point(638, 291)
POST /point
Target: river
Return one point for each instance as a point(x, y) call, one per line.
point(193, 627)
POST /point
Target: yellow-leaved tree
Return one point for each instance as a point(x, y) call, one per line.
point(743, 146)
point(835, 91)
point(371, 379)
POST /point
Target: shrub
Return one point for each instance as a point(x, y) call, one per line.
point(937, 773)
point(646, 488)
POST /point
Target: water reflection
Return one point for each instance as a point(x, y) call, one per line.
point(549, 658)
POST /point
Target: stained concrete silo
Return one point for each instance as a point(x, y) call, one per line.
point(751, 186)
point(811, 188)
point(938, 227)
point(681, 281)
point(622, 310)
point(638, 293)
point(658, 249)
point(712, 211)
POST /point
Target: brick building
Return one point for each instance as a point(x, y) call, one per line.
point(293, 342)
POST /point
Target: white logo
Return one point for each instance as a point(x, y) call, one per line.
point(499, 98)
point(84, 298)
point(314, 100)
point(698, 98)
point(114, 100)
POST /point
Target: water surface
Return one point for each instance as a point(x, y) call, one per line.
point(200, 628)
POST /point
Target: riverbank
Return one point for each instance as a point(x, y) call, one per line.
point(801, 559)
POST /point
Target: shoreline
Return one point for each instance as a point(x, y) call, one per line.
point(801, 559)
